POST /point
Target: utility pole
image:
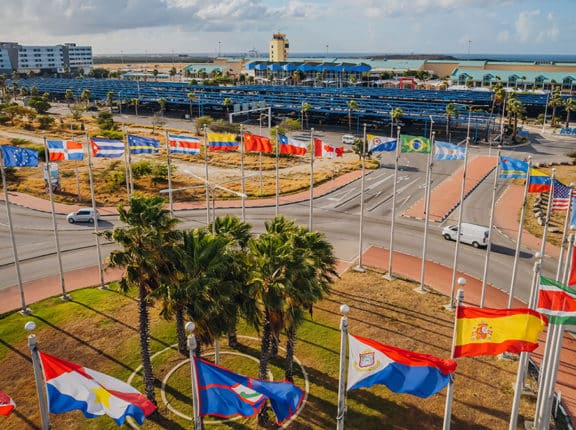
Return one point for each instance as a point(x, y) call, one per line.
point(469, 44)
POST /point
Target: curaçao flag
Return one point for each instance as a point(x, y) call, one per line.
point(181, 144)
point(557, 301)
point(415, 144)
point(447, 151)
point(71, 387)
point(380, 144)
point(65, 150)
point(225, 394)
point(512, 168)
point(106, 148)
point(291, 146)
point(143, 145)
point(7, 405)
point(539, 182)
point(222, 142)
point(402, 371)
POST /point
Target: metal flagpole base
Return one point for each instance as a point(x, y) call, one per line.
point(359, 269)
point(529, 425)
point(450, 307)
point(26, 311)
point(389, 276)
point(421, 290)
point(103, 287)
point(65, 298)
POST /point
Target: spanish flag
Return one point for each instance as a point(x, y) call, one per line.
point(494, 331)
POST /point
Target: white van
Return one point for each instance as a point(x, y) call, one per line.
point(348, 139)
point(472, 234)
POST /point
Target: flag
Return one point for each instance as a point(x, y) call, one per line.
point(512, 168)
point(181, 144)
point(415, 144)
point(106, 148)
point(290, 146)
point(14, 156)
point(222, 142)
point(572, 278)
point(255, 143)
point(71, 387)
point(324, 150)
point(557, 301)
point(7, 405)
point(65, 150)
point(562, 195)
point(493, 331)
point(143, 145)
point(447, 151)
point(224, 393)
point(380, 144)
point(539, 182)
point(402, 371)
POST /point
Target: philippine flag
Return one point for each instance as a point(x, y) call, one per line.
point(107, 148)
point(290, 146)
point(65, 150)
point(71, 386)
point(7, 405)
point(402, 371)
point(181, 144)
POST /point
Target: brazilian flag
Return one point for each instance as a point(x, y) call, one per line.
point(415, 144)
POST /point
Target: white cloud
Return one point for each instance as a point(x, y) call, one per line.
point(531, 26)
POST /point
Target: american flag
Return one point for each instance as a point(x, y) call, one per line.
point(561, 196)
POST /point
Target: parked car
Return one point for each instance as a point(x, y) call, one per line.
point(83, 215)
point(472, 234)
point(348, 139)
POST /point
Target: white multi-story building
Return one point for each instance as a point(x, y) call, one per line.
point(56, 58)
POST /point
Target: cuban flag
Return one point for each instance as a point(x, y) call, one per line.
point(181, 144)
point(59, 150)
point(447, 151)
point(402, 371)
point(324, 150)
point(222, 142)
point(73, 387)
point(290, 146)
point(7, 405)
point(225, 394)
point(143, 145)
point(106, 148)
point(380, 144)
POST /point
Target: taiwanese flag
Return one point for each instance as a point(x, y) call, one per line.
point(326, 151)
point(255, 143)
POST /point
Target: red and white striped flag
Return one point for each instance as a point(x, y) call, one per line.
point(324, 150)
point(561, 196)
point(7, 405)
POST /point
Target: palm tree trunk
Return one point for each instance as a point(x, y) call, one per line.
point(263, 368)
point(233, 334)
point(180, 331)
point(144, 330)
point(290, 343)
point(274, 342)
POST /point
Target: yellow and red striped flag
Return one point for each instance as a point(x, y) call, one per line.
point(494, 331)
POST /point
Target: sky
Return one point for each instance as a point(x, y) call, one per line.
point(315, 26)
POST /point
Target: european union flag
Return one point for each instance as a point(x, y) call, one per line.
point(14, 156)
point(512, 168)
point(225, 394)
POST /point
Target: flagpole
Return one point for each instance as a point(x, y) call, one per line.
point(450, 391)
point(98, 251)
point(565, 232)
point(190, 326)
point(360, 267)
point(206, 174)
point(170, 200)
point(243, 185)
point(126, 163)
point(311, 210)
point(77, 179)
point(548, 210)
point(491, 227)
point(25, 310)
point(65, 296)
point(344, 309)
point(524, 356)
point(422, 289)
point(450, 305)
point(40, 385)
point(519, 235)
point(390, 275)
point(277, 173)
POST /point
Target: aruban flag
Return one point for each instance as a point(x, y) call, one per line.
point(106, 148)
point(65, 150)
point(7, 405)
point(255, 143)
point(447, 151)
point(494, 331)
point(557, 301)
point(562, 195)
point(181, 144)
point(291, 146)
point(222, 142)
point(512, 168)
point(402, 371)
point(225, 394)
point(415, 144)
point(143, 145)
point(380, 144)
point(73, 387)
point(324, 150)
point(539, 182)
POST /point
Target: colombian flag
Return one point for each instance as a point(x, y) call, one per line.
point(539, 182)
point(494, 331)
point(222, 142)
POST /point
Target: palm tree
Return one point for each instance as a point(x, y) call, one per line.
point(192, 97)
point(555, 102)
point(498, 98)
point(227, 102)
point(451, 111)
point(569, 106)
point(135, 102)
point(162, 103)
point(85, 96)
point(110, 99)
point(352, 106)
point(515, 109)
point(68, 96)
point(304, 109)
point(395, 115)
point(146, 253)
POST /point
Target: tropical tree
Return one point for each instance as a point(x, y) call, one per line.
point(516, 110)
point(569, 106)
point(192, 97)
point(162, 103)
point(135, 102)
point(451, 111)
point(304, 110)
point(498, 97)
point(155, 73)
point(147, 255)
point(395, 115)
point(555, 102)
point(85, 96)
point(352, 106)
point(227, 102)
point(173, 72)
point(296, 75)
point(68, 96)
point(110, 99)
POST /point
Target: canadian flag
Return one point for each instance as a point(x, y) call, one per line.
point(324, 150)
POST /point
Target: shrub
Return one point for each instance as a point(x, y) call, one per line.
point(221, 126)
point(111, 134)
point(4, 119)
point(105, 121)
point(45, 122)
point(160, 172)
point(141, 168)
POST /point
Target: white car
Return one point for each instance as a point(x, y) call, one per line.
point(348, 139)
point(83, 215)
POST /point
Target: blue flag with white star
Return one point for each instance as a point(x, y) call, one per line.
point(14, 156)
